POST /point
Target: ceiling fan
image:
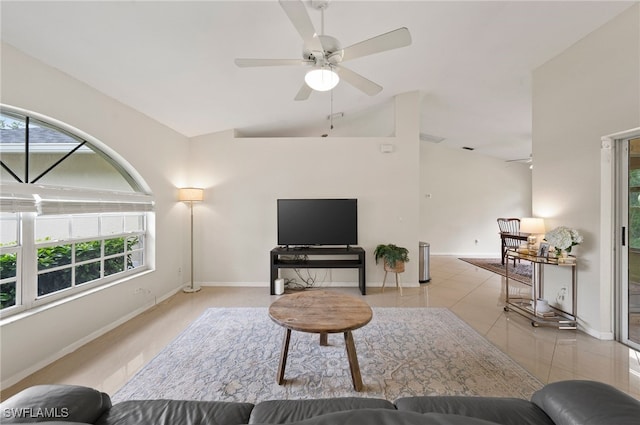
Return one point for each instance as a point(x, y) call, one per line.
point(528, 160)
point(325, 53)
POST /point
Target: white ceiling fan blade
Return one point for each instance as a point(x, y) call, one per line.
point(304, 92)
point(358, 81)
point(246, 62)
point(525, 160)
point(381, 43)
point(297, 13)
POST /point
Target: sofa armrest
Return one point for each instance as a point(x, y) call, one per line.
point(47, 403)
point(587, 403)
point(286, 411)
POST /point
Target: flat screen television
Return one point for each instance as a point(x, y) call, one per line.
point(304, 222)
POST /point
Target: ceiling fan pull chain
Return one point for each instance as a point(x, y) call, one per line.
point(331, 111)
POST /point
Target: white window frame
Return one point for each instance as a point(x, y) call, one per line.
point(32, 200)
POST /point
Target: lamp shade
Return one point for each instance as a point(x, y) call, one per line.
point(190, 194)
point(532, 225)
point(321, 79)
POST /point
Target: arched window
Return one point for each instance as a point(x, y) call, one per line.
point(73, 215)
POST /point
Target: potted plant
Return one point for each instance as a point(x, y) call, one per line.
point(393, 256)
point(563, 239)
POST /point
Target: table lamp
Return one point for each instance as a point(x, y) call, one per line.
point(535, 227)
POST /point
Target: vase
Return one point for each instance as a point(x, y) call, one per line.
point(564, 253)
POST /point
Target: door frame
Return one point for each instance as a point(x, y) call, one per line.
point(610, 236)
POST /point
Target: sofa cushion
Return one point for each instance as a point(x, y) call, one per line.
point(171, 412)
point(285, 411)
point(506, 411)
point(587, 403)
point(387, 417)
point(47, 403)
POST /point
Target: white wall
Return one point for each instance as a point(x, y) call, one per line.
point(237, 222)
point(589, 91)
point(462, 194)
point(156, 152)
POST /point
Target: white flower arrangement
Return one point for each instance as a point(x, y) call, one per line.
point(563, 238)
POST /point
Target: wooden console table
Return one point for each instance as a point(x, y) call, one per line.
point(527, 306)
point(298, 258)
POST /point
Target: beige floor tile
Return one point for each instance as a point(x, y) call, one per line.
point(475, 295)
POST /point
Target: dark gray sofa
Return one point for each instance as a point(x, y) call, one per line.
point(559, 403)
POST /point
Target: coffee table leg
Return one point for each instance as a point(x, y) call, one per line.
point(324, 339)
point(283, 356)
point(353, 361)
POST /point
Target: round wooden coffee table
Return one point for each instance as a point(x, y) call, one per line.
point(321, 312)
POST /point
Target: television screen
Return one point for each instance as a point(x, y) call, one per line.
point(317, 222)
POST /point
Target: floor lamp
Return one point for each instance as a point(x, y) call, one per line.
point(191, 195)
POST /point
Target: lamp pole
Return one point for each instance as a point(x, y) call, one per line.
point(190, 195)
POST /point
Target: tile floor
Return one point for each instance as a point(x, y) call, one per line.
point(474, 294)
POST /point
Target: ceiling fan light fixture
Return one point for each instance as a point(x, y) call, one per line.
point(322, 79)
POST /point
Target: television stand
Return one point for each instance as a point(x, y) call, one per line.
point(287, 263)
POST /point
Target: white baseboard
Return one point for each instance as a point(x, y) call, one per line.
point(74, 346)
point(606, 336)
point(321, 285)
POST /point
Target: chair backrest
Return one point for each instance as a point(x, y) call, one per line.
point(509, 225)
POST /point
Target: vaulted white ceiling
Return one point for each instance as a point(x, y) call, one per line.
point(173, 61)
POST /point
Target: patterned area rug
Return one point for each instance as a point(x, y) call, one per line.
point(232, 354)
point(521, 272)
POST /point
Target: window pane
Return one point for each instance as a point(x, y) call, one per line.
point(134, 260)
point(7, 294)
point(53, 228)
point(87, 272)
point(54, 281)
point(114, 246)
point(86, 168)
point(113, 265)
point(46, 147)
point(54, 256)
point(8, 265)
point(88, 250)
point(112, 225)
point(8, 229)
point(57, 157)
point(85, 226)
point(133, 243)
point(12, 147)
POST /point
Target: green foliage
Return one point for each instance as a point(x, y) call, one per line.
point(634, 208)
point(54, 256)
point(391, 254)
point(8, 265)
point(7, 294)
point(61, 255)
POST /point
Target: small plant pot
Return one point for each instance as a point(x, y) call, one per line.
point(398, 267)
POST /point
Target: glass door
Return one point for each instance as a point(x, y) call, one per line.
point(630, 240)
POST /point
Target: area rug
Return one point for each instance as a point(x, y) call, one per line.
point(232, 354)
point(521, 272)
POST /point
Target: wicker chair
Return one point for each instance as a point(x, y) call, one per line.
point(509, 225)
